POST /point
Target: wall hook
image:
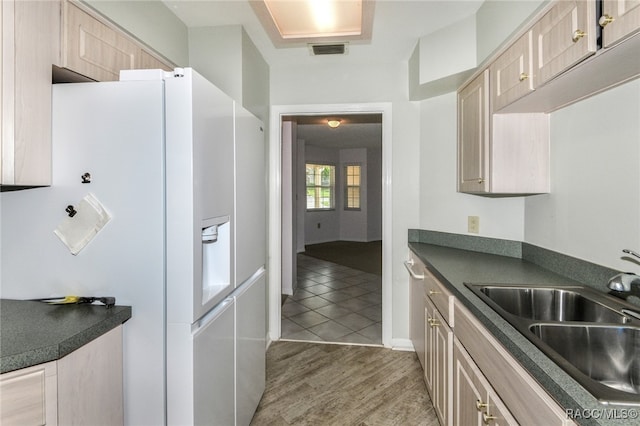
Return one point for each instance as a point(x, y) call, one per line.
point(71, 211)
point(86, 178)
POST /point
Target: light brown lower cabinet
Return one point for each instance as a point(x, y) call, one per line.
point(474, 400)
point(84, 387)
point(471, 378)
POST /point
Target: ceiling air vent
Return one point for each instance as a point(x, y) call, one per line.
point(328, 49)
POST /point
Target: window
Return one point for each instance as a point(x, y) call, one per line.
point(352, 187)
point(320, 186)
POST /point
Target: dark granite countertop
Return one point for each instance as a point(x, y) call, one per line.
point(34, 332)
point(453, 267)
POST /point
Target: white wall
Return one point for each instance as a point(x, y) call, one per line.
point(593, 210)
point(374, 194)
point(441, 207)
point(325, 83)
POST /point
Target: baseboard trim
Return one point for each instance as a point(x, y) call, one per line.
point(402, 345)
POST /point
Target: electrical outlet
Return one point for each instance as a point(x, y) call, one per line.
point(473, 224)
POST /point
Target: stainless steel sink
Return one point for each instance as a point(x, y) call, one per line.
point(551, 304)
point(610, 355)
point(584, 331)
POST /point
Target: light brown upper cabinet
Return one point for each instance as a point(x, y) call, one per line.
point(30, 45)
point(564, 36)
point(512, 73)
point(620, 19)
point(504, 154)
point(93, 49)
point(79, 45)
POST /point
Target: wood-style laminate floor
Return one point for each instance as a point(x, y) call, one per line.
point(328, 384)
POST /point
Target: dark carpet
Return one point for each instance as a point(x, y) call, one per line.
point(365, 257)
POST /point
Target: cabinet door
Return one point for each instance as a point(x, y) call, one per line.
point(429, 348)
point(417, 310)
point(442, 351)
point(474, 401)
point(29, 396)
point(563, 37)
point(438, 366)
point(620, 19)
point(473, 135)
point(93, 49)
point(30, 45)
point(512, 73)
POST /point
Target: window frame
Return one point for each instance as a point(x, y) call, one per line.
point(331, 187)
point(347, 186)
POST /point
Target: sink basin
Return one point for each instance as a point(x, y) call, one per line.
point(584, 331)
point(610, 355)
point(551, 304)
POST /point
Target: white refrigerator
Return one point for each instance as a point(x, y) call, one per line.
point(179, 167)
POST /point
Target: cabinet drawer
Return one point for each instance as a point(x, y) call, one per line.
point(440, 296)
point(28, 396)
point(527, 401)
point(563, 37)
point(512, 73)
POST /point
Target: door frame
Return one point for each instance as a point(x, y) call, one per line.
point(274, 261)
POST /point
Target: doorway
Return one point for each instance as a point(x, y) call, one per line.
point(350, 224)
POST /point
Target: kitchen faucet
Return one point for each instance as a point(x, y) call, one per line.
point(622, 282)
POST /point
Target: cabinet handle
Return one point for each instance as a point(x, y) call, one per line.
point(605, 20)
point(486, 419)
point(432, 292)
point(434, 323)
point(524, 76)
point(481, 405)
point(408, 264)
point(577, 35)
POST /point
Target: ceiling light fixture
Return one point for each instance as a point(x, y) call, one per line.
point(296, 19)
point(333, 123)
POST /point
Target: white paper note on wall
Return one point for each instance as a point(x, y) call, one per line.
point(76, 232)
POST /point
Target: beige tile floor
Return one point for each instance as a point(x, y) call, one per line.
point(333, 303)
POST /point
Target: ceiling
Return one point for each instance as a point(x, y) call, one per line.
point(397, 26)
point(355, 130)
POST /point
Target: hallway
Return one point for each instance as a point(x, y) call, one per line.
point(333, 303)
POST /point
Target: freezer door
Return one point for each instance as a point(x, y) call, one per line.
point(250, 346)
point(214, 361)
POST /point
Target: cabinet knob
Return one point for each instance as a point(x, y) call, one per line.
point(434, 323)
point(486, 419)
point(481, 405)
point(605, 20)
point(524, 76)
point(480, 181)
point(577, 35)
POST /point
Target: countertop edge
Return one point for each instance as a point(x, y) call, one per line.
point(558, 384)
point(31, 357)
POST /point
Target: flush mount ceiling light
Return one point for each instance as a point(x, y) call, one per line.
point(291, 22)
point(333, 123)
point(316, 18)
